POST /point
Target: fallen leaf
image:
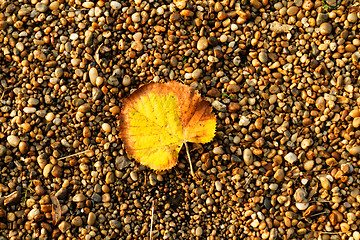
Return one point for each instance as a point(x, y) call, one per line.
point(56, 209)
point(158, 118)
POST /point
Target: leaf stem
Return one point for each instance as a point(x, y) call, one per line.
point(188, 155)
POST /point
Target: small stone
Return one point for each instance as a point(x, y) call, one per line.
point(218, 186)
point(345, 227)
point(126, 81)
point(263, 57)
point(121, 162)
point(300, 195)
point(137, 46)
point(331, 3)
point(354, 150)
point(93, 74)
point(135, 17)
point(325, 28)
point(91, 218)
point(352, 17)
point(3, 25)
point(88, 4)
point(115, 5)
point(256, 4)
point(10, 216)
point(110, 178)
point(77, 221)
point(2, 150)
point(106, 127)
point(84, 108)
point(86, 132)
point(47, 170)
point(115, 224)
point(41, 7)
point(279, 174)
point(321, 18)
point(308, 165)
point(79, 197)
point(180, 4)
point(64, 226)
point(196, 74)
point(12, 199)
point(56, 171)
point(248, 156)
point(293, 10)
point(33, 213)
point(325, 183)
point(152, 179)
point(54, 6)
point(290, 158)
point(198, 231)
point(218, 151)
point(29, 109)
point(134, 176)
point(356, 122)
point(219, 106)
point(308, 5)
point(13, 140)
point(202, 44)
point(302, 206)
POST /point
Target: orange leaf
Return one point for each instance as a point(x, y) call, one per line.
point(158, 118)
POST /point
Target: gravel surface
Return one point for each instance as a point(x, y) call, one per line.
point(283, 80)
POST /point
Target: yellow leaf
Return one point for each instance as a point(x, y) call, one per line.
point(158, 118)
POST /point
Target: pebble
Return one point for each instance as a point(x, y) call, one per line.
point(356, 122)
point(84, 108)
point(115, 224)
point(2, 150)
point(33, 213)
point(12, 199)
point(198, 231)
point(134, 176)
point(13, 140)
point(77, 221)
point(202, 44)
point(325, 183)
point(91, 219)
point(248, 156)
point(325, 28)
point(41, 7)
point(218, 150)
point(300, 195)
point(79, 197)
point(115, 5)
point(219, 106)
point(93, 74)
point(263, 57)
point(218, 186)
point(293, 10)
point(279, 175)
point(290, 158)
point(64, 226)
point(106, 127)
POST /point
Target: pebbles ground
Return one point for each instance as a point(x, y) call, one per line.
point(283, 78)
